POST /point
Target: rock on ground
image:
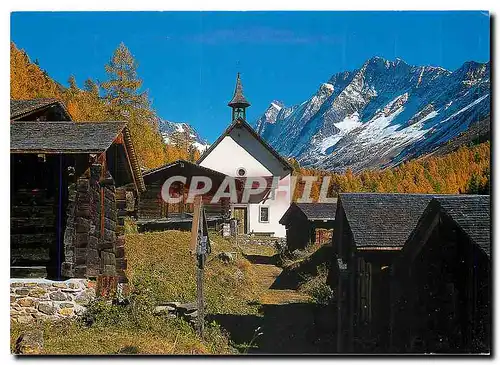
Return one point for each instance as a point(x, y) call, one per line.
point(30, 343)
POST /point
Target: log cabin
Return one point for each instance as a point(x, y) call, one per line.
point(440, 287)
point(156, 214)
point(68, 186)
point(308, 223)
point(370, 231)
point(43, 109)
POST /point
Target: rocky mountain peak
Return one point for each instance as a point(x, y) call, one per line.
point(180, 133)
point(381, 114)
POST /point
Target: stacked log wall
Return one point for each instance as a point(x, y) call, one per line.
point(151, 204)
point(33, 232)
point(122, 207)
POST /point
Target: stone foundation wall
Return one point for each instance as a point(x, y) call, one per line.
point(256, 240)
point(92, 226)
point(32, 299)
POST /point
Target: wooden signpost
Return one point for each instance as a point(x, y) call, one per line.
point(200, 246)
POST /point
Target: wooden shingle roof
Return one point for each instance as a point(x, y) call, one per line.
point(238, 99)
point(383, 220)
point(311, 211)
point(471, 213)
point(318, 211)
point(63, 137)
point(182, 168)
point(69, 137)
point(22, 108)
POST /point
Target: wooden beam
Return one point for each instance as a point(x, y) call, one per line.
point(195, 225)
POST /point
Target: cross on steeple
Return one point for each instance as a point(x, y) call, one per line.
point(238, 103)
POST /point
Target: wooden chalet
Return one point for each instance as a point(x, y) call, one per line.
point(43, 109)
point(441, 291)
point(68, 183)
point(306, 223)
point(156, 214)
point(370, 231)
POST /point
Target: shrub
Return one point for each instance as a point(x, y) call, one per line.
point(130, 226)
point(316, 285)
point(321, 293)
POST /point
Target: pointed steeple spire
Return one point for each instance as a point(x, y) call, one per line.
point(238, 99)
point(238, 103)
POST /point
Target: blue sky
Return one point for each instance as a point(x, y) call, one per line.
point(189, 60)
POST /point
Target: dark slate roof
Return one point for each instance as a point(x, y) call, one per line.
point(69, 137)
point(318, 211)
point(20, 108)
point(183, 167)
point(239, 123)
point(383, 220)
point(471, 213)
point(238, 99)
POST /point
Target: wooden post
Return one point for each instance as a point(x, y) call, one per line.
point(199, 294)
point(198, 246)
point(195, 226)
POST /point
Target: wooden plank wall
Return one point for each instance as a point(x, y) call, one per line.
point(33, 232)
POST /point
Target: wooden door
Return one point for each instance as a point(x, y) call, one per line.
point(240, 213)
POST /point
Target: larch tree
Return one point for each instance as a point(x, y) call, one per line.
point(126, 101)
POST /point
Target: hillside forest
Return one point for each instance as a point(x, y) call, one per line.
point(121, 97)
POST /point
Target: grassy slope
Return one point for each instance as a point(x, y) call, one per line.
point(309, 271)
point(161, 267)
point(162, 337)
point(160, 264)
point(161, 261)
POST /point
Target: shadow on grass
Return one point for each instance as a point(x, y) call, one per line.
point(286, 329)
point(261, 259)
point(292, 277)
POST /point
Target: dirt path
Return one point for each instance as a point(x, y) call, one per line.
point(286, 317)
point(268, 274)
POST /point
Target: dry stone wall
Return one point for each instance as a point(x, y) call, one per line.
point(32, 299)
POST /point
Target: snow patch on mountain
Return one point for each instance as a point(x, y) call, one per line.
point(181, 133)
point(345, 126)
point(466, 108)
point(379, 115)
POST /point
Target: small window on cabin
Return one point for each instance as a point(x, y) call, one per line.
point(241, 171)
point(264, 214)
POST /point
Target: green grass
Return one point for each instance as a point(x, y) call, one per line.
point(160, 268)
point(161, 336)
point(161, 262)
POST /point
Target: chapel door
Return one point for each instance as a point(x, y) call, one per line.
point(240, 213)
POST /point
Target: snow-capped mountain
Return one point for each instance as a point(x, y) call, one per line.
point(269, 116)
point(181, 133)
point(379, 115)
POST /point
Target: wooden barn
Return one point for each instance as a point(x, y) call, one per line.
point(307, 223)
point(43, 109)
point(441, 291)
point(68, 183)
point(370, 231)
point(156, 214)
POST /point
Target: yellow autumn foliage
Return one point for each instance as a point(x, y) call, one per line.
point(466, 170)
point(29, 81)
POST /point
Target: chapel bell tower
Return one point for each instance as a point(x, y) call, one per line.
point(238, 103)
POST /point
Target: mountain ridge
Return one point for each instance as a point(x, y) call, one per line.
point(379, 115)
point(181, 134)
